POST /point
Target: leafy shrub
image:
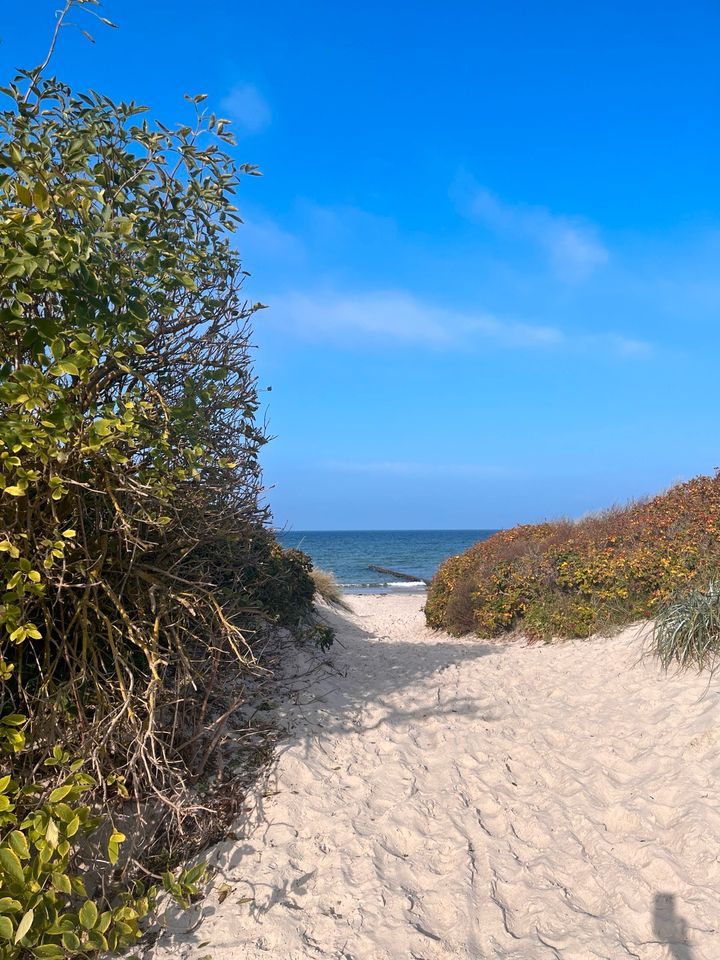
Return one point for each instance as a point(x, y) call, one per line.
point(45, 909)
point(687, 628)
point(128, 443)
point(572, 579)
point(280, 581)
point(50, 843)
point(133, 553)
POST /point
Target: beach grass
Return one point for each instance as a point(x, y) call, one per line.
point(328, 589)
point(687, 629)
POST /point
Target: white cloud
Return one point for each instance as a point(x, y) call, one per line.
point(393, 315)
point(403, 468)
point(571, 245)
point(247, 107)
point(398, 315)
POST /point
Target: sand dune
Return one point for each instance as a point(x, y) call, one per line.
point(444, 798)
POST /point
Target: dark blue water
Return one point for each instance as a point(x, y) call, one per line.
point(347, 553)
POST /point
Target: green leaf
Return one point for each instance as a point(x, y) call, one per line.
point(78, 886)
point(88, 915)
point(23, 195)
point(11, 865)
point(13, 720)
point(7, 547)
point(9, 905)
point(41, 197)
point(61, 883)
point(97, 940)
point(24, 925)
point(72, 827)
point(6, 928)
point(14, 581)
point(70, 940)
point(48, 951)
point(15, 491)
point(67, 366)
point(18, 841)
point(60, 793)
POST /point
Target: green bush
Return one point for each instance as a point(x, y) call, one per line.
point(133, 553)
point(280, 582)
point(45, 909)
point(128, 443)
point(50, 842)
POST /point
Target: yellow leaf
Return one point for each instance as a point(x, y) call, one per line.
point(24, 925)
point(52, 834)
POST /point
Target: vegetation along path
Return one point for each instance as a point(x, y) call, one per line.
point(445, 798)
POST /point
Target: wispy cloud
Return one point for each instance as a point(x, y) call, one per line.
point(571, 245)
point(403, 468)
point(266, 239)
point(392, 315)
point(398, 315)
point(247, 107)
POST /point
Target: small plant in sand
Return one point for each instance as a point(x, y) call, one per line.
point(328, 589)
point(687, 629)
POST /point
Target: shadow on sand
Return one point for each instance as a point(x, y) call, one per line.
point(364, 696)
point(670, 929)
point(352, 689)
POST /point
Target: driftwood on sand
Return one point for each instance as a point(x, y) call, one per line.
point(409, 577)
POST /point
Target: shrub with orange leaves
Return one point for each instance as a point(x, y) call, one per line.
point(571, 579)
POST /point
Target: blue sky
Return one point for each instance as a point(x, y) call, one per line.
point(488, 233)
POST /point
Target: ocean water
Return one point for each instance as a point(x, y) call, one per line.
point(347, 553)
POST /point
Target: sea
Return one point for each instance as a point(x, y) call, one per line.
point(347, 554)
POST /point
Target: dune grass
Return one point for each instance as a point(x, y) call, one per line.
point(687, 629)
point(328, 589)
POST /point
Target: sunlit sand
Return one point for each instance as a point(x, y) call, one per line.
point(447, 798)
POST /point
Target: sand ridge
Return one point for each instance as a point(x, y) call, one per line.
point(448, 798)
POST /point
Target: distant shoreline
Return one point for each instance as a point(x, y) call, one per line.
point(377, 561)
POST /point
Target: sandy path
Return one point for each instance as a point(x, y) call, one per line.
point(443, 798)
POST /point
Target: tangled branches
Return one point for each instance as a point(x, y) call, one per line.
point(132, 545)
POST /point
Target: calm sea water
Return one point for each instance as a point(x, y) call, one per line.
point(347, 553)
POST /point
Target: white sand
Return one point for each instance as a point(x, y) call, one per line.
point(444, 798)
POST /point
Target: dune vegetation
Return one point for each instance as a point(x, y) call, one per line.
point(572, 579)
point(137, 565)
point(328, 589)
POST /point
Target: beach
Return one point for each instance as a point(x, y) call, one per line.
point(438, 797)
